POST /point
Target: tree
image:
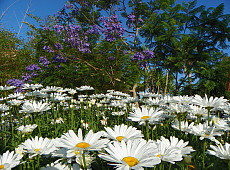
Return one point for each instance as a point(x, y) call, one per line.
point(185, 37)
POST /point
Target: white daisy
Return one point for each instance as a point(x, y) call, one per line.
point(123, 132)
point(209, 102)
point(76, 143)
point(135, 154)
point(15, 102)
point(180, 144)
point(222, 125)
point(34, 107)
point(27, 128)
point(182, 125)
point(166, 152)
point(9, 160)
point(220, 151)
point(144, 115)
point(84, 88)
point(7, 87)
point(205, 131)
point(38, 146)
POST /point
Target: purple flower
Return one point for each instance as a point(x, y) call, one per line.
point(15, 82)
point(138, 56)
point(58, 28)
point(113, 29)
point(58, 46)
point(34, 74)
point(140, 20)
point(59, 59)
point(112, 58)
point(148, 54)
point(94, 30)
point(44, 61)
point(131, 18)
point(33, 67)
point(46, 28)
point(26, 77)
point(48, 49)
point(68, 6)
point(76, 68)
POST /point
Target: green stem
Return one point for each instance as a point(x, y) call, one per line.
point(147, 130)
point(228, 165)
point(204, 154)
point(84, 162)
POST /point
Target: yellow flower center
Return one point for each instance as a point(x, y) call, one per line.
point(206, 134)
point(36, 150)
point(76, 152)
point(145, 117)
point(1, 166)
point(131, 161)
point(83, 145)
point(159, 156)
point(119, 138)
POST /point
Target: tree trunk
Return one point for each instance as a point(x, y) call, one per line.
point(166, 83)
point(228, 83)
point(135, 93)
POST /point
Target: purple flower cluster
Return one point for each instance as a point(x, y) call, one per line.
point(138, 56)
point(94, 30)
point(147, 54)
point(73, 38)
point(16, 82)
point(58, 46)
point(58, 28)
point(112, 58)
point(46, 28)
point(59, 59)
point(113, 28)
point(44, 61)
point(26, 77)
point(48, 49)
point(33, 67)
point(132, 19)
point(68, 6)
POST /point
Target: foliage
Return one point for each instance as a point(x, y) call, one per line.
point(100, 44)
point(15, 55)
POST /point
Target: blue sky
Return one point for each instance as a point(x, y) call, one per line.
point(42, 8)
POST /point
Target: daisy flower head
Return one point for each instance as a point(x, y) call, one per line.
point(180, 144)
point(84, 88)
point(182, 125)
point(38, 146)
point(34, 107)
point(205, 131)
point(76, 143)
point(27, 128)
point(220, 151)
point(209, 102)
point(9, 160)
point(144, 115)
point(135, 154)
point(7, 87)
point(123, 132)
point(51, 89)
point(58, 166)
point(222, 125)
point(32, 86)
point(167, 152)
